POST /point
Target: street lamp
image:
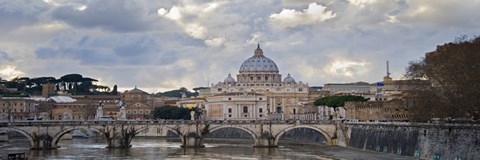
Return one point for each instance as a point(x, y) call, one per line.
point(9, 108)
point(35, 110)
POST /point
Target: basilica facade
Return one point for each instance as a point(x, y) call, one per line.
point(258, 92)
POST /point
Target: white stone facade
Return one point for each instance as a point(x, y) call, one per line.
point(237, 106)
point(258, 77)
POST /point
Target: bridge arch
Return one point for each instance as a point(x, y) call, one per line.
point(254, 136)
point(177, 131)
point(60, 134)
point(327, 138)
point(26, 134)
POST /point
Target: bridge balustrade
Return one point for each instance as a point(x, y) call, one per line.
point(134, 122)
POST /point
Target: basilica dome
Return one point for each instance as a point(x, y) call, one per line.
point(258, 63)
point(229, 79)
point(289, 79)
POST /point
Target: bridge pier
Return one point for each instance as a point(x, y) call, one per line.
point(42, 142)
point(266, 140)
point(196, 138)
point(119, 138)
point(192, 140)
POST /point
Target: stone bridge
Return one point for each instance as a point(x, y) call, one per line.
point(46, 134)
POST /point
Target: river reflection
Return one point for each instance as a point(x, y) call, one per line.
point(159, 148)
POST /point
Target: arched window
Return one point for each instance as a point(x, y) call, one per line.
point(245, 109)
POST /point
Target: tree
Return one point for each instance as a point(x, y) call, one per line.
point(114, 91)
point(178, 93)
point(171, 113)
point(453, 70)
point(338, 101)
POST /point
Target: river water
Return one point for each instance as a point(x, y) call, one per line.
point(161, 148)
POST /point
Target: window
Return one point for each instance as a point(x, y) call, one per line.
point(229, 98)
point(266, 78)
point(258, 78)
point(260, 98)
point(134, 111)
point(128, 112)
point(219, 89)
point(300, 89)
point(260, 110)
point(229, 110)
point(245, 109)
point(147, 111)
point(140, 111)
point(279, 109)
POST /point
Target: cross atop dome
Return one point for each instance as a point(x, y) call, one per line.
point(258, 51)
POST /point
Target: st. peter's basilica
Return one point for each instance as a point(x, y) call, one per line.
point(258, 92)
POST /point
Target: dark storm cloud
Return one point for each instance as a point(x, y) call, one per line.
point(5, 57)
point(14, 14)
point(119, 16)
point(85, 56)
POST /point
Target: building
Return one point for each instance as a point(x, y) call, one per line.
point(258, 91)
point(17, 108)
point(48, 89)
point(394, 89)
point(138, 103)
point(191, 103)
point(357, 88)
point(237, 105)
point(393, 110)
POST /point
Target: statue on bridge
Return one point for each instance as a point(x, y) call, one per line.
point(99, 111)
point(123, 113)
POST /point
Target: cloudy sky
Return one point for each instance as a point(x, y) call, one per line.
point(162, 45)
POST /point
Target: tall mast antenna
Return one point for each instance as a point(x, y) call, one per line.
point(388, 70)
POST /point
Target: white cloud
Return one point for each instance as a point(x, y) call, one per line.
point(9, 72)
point(361, 3)
point(257, 37)
point(346, 68)
point(195, 30)
point(215, 42)
point(185, 16)
point(173, 14)
point(314, 14)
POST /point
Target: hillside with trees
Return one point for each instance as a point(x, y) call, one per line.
point(74, 84)
point(177, 93)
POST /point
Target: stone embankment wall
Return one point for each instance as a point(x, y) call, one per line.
point(298, 135)
point(424, 141)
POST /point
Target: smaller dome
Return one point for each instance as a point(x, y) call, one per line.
point(229, 79)
point(288, 79)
